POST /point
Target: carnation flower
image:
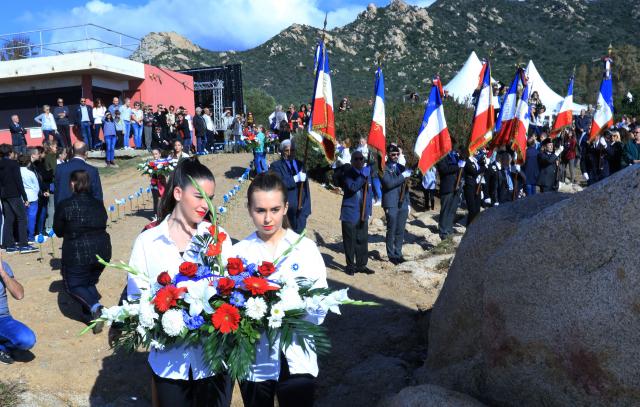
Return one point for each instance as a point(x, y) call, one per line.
point(235, 266)
point(237, 299)
point(167, 297)
point(257, 285)
point(192, 323)
point(188, 269)
point(225, 285)
point(290, 298)
point(266, 268)
point(226, 318)
point(256, 308)
point(172, 322)
point(147, 316)
point(164, 278)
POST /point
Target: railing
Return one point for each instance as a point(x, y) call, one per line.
point(70, 39)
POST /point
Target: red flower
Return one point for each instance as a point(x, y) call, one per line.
point(222, 237)
point(167, 297)
point(266, 268)
point(164, 278)
point(257, 285)
point(235, 266)
point(225, 285)
point(214, 249)
point(226, 318)
point(213, 229)
point(188, 269)
point(251, 137)
point(152, 165)
point(154, 181)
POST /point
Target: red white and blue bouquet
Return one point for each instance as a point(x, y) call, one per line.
point(224, 307)
point(154, 168)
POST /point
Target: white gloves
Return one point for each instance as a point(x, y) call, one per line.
point(559, 151)
point(300, 177)
point(461, 163)
point(406, 173)
point(586, 176)
point(603, 142)
point(487, 201)
point(515, 168)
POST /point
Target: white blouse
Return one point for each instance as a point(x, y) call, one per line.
point(154, 252)
point(98, 114)
point(304, 261)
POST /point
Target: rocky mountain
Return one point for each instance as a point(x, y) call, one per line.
point(418, 42)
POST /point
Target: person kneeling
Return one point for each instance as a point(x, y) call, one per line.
point(14, 335)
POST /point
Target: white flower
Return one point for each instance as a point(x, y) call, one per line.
point(198, 295)
point(172, 322)
point(157, 345)
point(147, 315)
point(332, 301)
point(274, 323)
point(131, 309)
point(277, 313)
point(256, 308)
point(290, 298)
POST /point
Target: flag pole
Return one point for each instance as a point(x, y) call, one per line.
point(306, 145)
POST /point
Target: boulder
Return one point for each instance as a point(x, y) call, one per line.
point(429, 395)
point(541, 303)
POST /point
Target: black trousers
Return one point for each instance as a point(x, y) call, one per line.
point(215, 391)
point(473, 202)
point(65, 136)
point(355, 238)
point(13, 210)
point(292, 390)
point(448, 206)
point(156, 200)
point(429, 199)
point(80, 283)
point(396, 222)
point(119, 139)
point(297, 221)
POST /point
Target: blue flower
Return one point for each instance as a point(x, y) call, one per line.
point(250, 269)
point(237, 299)
point(203, 271)
point(192, 323)
point(295, 267)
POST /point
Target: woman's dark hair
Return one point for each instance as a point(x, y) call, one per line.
point(24, 160)
point(176, 141)
point(80, 182)
point(268, 181)
point(188, 167)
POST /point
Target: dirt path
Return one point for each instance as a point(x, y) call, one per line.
point(66, 369)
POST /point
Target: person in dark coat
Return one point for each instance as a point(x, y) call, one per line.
point(291, 172)
point(448, 169)
point(473, 170)
point(78, 162)
point(14, 200)
point(548, 164)
point(355, 222)
point(507, 180)
point(617, 152)
point(200, 128)
point(631, 149)
point(395, 202)
point(594, 162)
point(82, 221)
point(531, 167)
point(18, 139)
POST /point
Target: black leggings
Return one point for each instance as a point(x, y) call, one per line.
point(293, 390)
point(429, 199)
point(80, 282)
point(215, 391)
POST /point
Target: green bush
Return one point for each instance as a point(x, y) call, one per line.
point(261, 104)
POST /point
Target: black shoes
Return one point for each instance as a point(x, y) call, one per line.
point(397, 260)
point(366, 270)
point(5, 358)
point(349, 271)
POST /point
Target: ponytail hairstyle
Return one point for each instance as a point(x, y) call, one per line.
point(180, 177)
point(269, 181)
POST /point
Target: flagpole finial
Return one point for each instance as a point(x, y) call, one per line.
point(609, 49)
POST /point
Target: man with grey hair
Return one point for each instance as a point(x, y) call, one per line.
point(18, 139)
point(200, 128)
point(227, 125)
point(276, 117)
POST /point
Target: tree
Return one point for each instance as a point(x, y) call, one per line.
point(261, 104)
point(18, 47)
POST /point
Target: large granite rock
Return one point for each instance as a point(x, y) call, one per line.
point(429, 395)
point(541, 305)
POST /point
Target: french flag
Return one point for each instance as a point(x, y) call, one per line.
point(603, 116)
point(565, 116)
point(523, 117)
point(433, 141)
point(483, 121)
point(507, 116)
point(377, 132)
point(322, 128)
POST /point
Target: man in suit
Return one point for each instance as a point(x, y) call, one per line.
point(449, 168)
point(200, 128)
point(291, 171)
point(395, 202)
point(503, 185)
point(18, 139)
point(473, 170)
point(14, 201)
point(354, 214)
point(548, 164)
point(61, 115)
point(84, 120)
point(531, 167)
point(78, 162)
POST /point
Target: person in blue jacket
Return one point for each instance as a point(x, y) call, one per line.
point(531, 167)
point(354, 214)
point(291, 172)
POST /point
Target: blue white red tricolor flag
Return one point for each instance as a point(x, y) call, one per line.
point(321, 123)
point(377, 132)
point(507, 116)
point(603, 116)
point(564, 118)
point(433, 141)
point(523, 117)
point(484, 119)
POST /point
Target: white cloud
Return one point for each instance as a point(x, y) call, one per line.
point(213, 24)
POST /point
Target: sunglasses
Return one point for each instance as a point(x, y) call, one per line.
point(359, 159)
point(393, 154)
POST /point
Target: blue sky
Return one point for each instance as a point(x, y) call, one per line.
point(213, 24)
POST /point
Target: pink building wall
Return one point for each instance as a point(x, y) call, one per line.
point(159, 86)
